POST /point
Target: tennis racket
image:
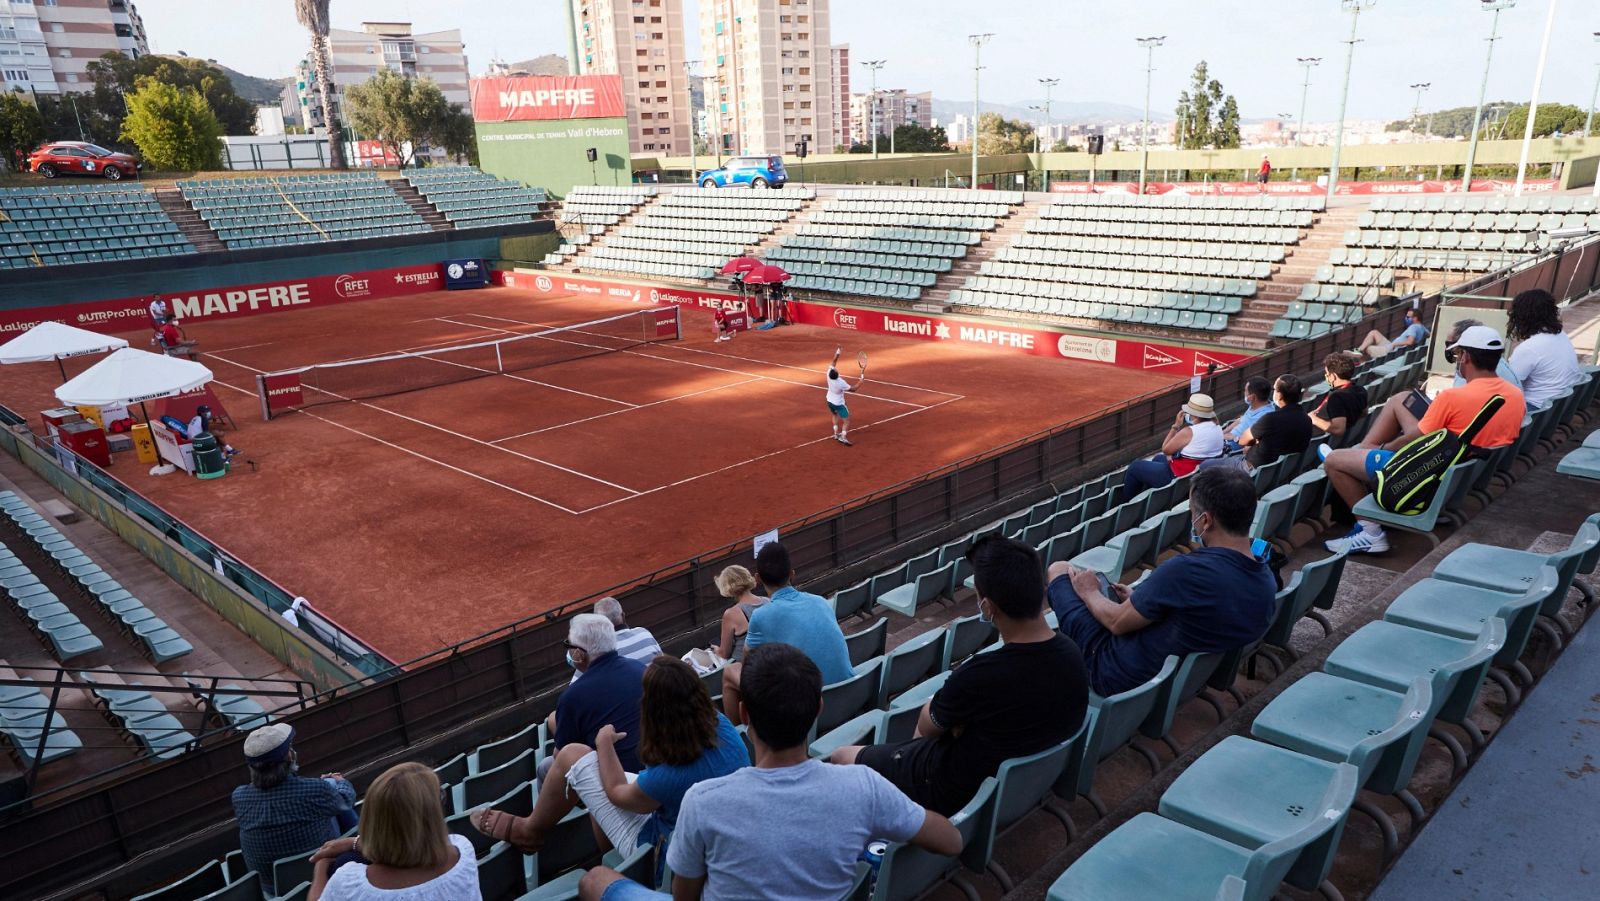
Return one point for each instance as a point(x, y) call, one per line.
point(861, 360)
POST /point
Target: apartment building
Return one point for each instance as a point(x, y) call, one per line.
point(895, 107)
point(46, 45)
point(773, 72)
point(841, 98)
point(642, 41)
point(356, 56)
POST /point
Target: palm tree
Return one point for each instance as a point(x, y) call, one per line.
point(313, 14)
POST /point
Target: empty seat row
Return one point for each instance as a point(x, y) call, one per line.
point(1179, 311)
point(1509, 242)
point(1120, 278)
point(848, 202)
point(54, 624)
point(904, 220)
point(1154, 294)
point(139, 715)
point(1179, 215)
point(23, 724)
point(1314, 203)
point(1228, 268)
point(1494, 203)
point(1167, 231)
point(1265, 253)
point(1483, 221)
point(784, 255)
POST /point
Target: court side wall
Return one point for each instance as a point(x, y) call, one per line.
point(552, 154)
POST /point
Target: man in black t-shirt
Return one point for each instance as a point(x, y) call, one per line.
point(1285, 431)
point(1020, 699)
point(1345, 404)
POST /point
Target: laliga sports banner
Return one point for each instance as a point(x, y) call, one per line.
point(1298, 188)
point(1129, 353)
point(531, 98)
point(129, 313)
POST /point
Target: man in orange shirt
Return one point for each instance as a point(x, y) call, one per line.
point(1351, 471)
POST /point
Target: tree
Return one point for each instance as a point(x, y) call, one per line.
point(174, 128)
point(1207, 117)
point(1226, 134)
point(407, 114)
point(460, 137)
point(998, 135)
point(913, 138)
point(115, 75)
point(1062, 146)
point(313, 14)
point(21, 129)
point(1552, 117)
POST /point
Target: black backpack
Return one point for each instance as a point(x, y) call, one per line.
point(1408, 483)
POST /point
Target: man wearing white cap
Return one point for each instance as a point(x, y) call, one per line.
point(281, 813)
point(1353, 470)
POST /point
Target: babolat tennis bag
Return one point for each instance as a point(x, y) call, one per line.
point(1408, 482)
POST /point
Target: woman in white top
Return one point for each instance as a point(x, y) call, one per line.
point(1544, 359)
point(410, 854)
point(1193, 438)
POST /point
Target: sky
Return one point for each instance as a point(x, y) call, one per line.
point(1251, 45)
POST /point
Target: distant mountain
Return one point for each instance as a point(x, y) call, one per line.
point(549, 64)
point(1071, 112)
point(259, 91)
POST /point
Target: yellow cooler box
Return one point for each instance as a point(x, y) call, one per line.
point(143, 445)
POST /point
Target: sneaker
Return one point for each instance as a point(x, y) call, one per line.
point(846, 441)
point(1322, 451)
point(1359, 541)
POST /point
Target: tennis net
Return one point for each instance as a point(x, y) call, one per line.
point(385, 375)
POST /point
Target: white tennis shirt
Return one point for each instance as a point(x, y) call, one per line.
point(836, 389)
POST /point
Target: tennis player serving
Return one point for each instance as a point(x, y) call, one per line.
point(837, 387)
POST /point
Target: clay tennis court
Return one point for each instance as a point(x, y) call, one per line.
point(423, 518)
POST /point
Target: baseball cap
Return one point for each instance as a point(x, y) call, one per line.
point(1480, 337)
point(268, 744)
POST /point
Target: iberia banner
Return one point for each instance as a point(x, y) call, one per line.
point(127, 313)
point(529, 98)
point(1129, 353)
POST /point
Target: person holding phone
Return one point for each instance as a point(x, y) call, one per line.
point(1193, 438)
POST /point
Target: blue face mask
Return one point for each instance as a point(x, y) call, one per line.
point(983, 617)
point(570, 662)
point(1194, 536)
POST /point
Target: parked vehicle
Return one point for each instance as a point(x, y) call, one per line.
point(755, 171)
point(82, 158)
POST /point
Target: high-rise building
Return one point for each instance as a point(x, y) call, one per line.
point(895, 108)
point(642, 41)
point(46, 45)
point(355, 56)
point(841, 98)
point(773, 70)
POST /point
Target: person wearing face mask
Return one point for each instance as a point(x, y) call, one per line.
point(1216, 598)
point(281, 813)
point(1193, 439)
point(1344, 405)
point(1353, 470)
point(1028, 695)
point(1375, 345)
point(608, 693)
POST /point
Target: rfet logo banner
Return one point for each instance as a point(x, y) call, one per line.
point(125, 313)
point(534, 98)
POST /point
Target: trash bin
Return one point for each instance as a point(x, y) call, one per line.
point(143, 445)
point(208, 460)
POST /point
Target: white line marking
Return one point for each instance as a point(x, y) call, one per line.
point(653, 403)
point(247, 346)
point(521, 378)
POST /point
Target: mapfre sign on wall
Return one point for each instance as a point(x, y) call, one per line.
point(534, 98)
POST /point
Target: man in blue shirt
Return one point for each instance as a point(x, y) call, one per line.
point(1216, 598)
point(1375, 345)
point(1258, 400)
point(281, 813)
point(607, 695)
point(792, 617)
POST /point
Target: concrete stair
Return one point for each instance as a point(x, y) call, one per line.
point(189, 222)
point(1004, 232)
point(598, 241)
point(1301, 261)
point(420, 205)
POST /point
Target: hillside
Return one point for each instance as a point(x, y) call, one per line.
point(259, 91)
point(1071, 112)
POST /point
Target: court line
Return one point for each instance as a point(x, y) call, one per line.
point(521, 378)
point(639, 353)
point(425, 423)
point(639, 407)
point(713, 353)
point(783, 450)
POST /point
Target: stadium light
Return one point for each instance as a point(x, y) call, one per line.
point(1416, 111)
point(694, 122)
point(1044, 173)
point(1588, 124)
point(978, 40)
point(1354, 8)
point(1149, 44)
point(1496, 7)
point(874, 65)
point(1533, 102)
point(1308, 63)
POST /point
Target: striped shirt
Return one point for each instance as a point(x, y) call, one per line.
point(634, 643)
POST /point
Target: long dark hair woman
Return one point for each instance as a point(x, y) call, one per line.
point(1543, 356)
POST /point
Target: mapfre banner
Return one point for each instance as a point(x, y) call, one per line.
point(534, 98)
point(130, 313)
point(1128, 353)
point(1299, 188)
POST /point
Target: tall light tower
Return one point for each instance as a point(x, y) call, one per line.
point(1308, 63)
point(694, 123)
point(1588, 124)
point(1533, 102)
point(1416, 109)
point(874, 65)
point(1354, 8)
point(1494, 6)
point(1048, 84)
point(1149, 44)
point(978, 40)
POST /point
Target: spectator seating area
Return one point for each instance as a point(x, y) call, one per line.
point(1460, 233)
point(589, 211)
point(472, 198)
point(300, 209)
point(1173, 262)
point(60, 226)
point(22, 724)
point(68, 636)
point(888, 244)
point(690, 233)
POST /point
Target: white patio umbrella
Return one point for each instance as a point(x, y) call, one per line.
point(56, 341)
point(132, 376)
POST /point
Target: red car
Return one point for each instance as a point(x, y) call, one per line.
point(82, 158)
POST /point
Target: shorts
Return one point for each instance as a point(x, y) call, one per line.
point(620, 826)
point(914, 766)
point(1381, 349)
point(839, 410)
point(628, 890)
point(1376, 460)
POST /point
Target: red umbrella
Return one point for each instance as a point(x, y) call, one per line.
point(741, 264)
point(765, 275)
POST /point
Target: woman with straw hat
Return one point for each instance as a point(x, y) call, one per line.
point(1194, 438)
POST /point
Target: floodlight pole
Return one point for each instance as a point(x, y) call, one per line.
point(694, 123)
point(1309, 63)
point(1588, 124)
point(1149, 44)
point(874, 65)
point(1416, 110)
point(1354, 7)
point(1494, 6)
point(978, 40)
point(1533, 102)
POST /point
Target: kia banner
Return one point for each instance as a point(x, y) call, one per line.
point(533, 98)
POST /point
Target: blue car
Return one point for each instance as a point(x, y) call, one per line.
point(754, 171)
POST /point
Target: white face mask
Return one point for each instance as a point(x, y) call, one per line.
point(570, 661)
point(985, 614)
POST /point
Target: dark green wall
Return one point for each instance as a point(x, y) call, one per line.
point(551, 155)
